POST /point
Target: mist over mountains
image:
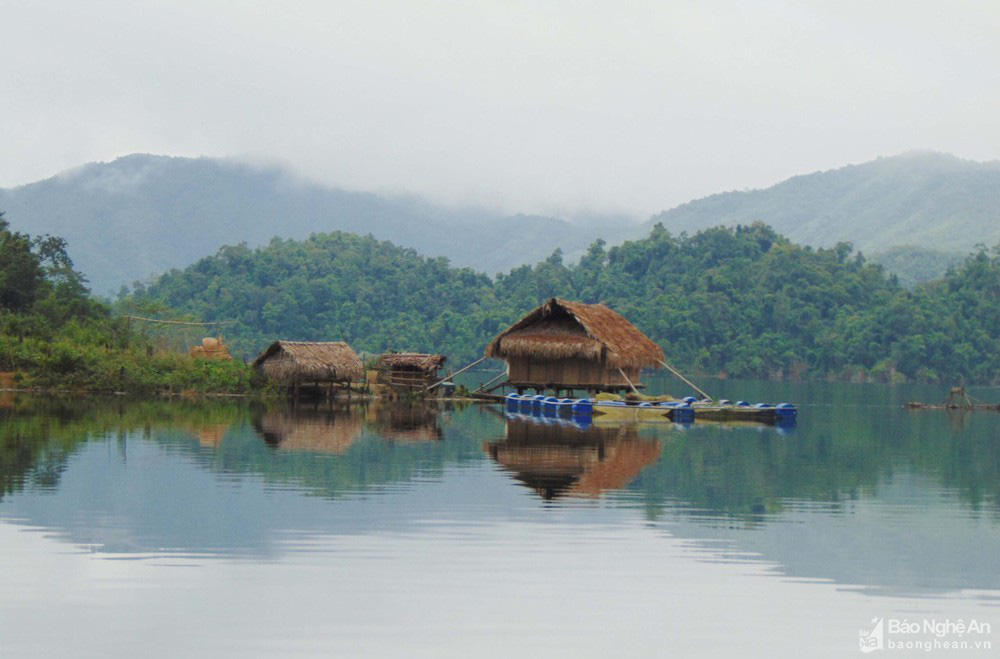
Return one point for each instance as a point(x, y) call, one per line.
point(142, 215)
point(921, 199)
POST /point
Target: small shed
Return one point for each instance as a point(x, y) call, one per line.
point(408, 371)
point(301, 363)
point(572, 345)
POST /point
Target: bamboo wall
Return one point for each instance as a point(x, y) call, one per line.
point(405, 379)
point(567, 373)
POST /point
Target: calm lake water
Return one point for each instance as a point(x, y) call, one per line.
point(204, 528)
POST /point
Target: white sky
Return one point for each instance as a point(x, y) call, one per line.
point(554, 107)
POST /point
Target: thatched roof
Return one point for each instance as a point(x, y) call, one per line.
point(560, 329)
point(288, 361)
point(411, 360)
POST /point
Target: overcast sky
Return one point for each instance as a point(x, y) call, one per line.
point(555, 107)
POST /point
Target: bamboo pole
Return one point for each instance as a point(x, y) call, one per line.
point(500, 375)
point(688, 382)
point(451, 375)
point(627, 380)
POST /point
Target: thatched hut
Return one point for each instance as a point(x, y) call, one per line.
point(409, 371)
point(571, 345)
point(300, 363)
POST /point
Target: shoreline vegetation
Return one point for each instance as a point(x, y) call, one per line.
point(741, 302)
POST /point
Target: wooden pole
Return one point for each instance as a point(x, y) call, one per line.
point(481, 359)
point(627, 380)
point(483, 386)
point(179, 322)
point(688, 382)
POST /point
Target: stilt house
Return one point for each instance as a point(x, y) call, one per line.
point(571, 345)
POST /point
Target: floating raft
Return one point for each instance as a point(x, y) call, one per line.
point(678, 411)
point(915, 405)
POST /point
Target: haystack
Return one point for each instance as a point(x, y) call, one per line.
point(211, 348)
point(571, 345)
point(298, 362)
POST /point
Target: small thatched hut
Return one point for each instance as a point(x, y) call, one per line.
point(297, 363)
point(409, 370)
point(571, 345)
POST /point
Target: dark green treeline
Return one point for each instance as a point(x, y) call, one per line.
point(740, 301)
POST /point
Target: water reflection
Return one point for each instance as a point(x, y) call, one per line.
point(566, 459)
point(870, 497)
point(320, 430)
point(412, 421)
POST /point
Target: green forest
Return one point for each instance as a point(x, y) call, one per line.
point(740, 302)
point(737, 302)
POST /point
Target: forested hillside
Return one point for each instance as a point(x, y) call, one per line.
point(919, 199)
point(743, 301)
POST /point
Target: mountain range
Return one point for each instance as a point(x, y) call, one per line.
point(922, 199)
point(141, 215)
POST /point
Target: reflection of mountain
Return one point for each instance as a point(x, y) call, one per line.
point(563, 460)
point(320, 430)
point(415, 421)
point(879, 498)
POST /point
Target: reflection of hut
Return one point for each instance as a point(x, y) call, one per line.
point(298, 363)
point(557, 460)
point(417, 422)
point(212, 435)
point(571, 345)
point(408, 371)
point(317, 431)
point(211, 348)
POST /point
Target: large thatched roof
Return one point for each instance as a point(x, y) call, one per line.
point(288, 361)
point(560, 329)
point(411, 360)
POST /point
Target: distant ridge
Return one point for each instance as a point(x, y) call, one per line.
point(920, 198)
point(141, 215)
